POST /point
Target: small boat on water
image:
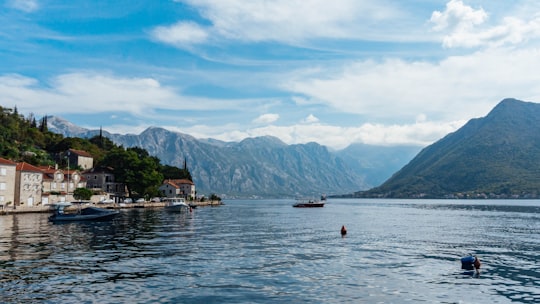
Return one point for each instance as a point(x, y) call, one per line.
point(176, 204)
point(84, 214)
point(302, 203)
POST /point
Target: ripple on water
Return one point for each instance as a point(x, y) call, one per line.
point(266, 252)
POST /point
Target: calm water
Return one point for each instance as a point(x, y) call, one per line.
point(268, 252)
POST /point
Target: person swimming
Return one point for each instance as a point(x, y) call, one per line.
point(477, 264)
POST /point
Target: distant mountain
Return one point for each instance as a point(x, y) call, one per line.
point(494, 156)
point(377, 163)
point(262, 166)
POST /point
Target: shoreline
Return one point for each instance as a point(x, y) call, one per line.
point(49, 209)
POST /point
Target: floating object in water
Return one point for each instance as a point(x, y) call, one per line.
point(343, 230)
point(470, 262)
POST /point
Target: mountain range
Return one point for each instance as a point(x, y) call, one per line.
point(496, 156)
point(261, 166)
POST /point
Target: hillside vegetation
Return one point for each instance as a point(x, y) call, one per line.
point(23, 139)
point(496, 156)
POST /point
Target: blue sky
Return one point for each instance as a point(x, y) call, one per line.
point(336, 72)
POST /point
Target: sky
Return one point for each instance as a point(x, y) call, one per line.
point(387, 72)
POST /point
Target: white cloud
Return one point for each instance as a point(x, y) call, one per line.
point(458, 16)
point(24, 5)
point(181, 34)
point(90, 91)
point(310, 119)
point(337, 137)
point(266, 118)
point(458, 87)
point(289, 21)
point(464, 27)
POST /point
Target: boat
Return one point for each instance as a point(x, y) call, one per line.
point(176, 204)
point(84, 214)
point(302, 203)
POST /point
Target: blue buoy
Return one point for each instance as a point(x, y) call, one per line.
point(468, 262)
point(471, 262)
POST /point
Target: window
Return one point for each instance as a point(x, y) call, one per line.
point(2, 186)
point(3, 171)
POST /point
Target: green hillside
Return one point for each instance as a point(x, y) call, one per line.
point(496, 156)
point(23, 139)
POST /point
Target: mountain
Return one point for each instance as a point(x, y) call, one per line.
point(262, 166)
point(377, 163)
point(494, 156)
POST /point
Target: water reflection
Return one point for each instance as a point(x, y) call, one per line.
point(270, 252)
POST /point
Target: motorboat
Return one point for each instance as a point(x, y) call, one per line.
point(302, 203)
point(84, 214)
point(176, 204)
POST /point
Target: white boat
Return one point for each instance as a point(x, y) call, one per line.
point(175, 204)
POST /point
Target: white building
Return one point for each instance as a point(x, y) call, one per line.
point(178, 188)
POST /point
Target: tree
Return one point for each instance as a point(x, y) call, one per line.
point(82, 194)
point(43, 125)
point(136, 169)
point(171, 172)
point(214, 197)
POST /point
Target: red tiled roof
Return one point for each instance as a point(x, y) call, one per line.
point(4, 161)
point(47, 169)
point(81, 153)
point(27, 167)
point(177, 182)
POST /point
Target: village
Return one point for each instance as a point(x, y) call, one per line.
point(28, 188)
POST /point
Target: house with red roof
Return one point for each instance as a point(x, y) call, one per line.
point(80, 158)
point(178, 188)
point(28, 185)
point(59, 184)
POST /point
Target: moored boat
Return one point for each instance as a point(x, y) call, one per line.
point(176, 204)
point(84, 214)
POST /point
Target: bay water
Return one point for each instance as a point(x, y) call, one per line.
point(266, 251)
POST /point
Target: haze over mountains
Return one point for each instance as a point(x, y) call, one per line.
point(262, 166)
point(497, 156)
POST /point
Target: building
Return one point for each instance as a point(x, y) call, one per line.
point(178, 188)
point(102, 179)
point(79, 158)
point(59, 185)
point(28, 185)
point(7, 182)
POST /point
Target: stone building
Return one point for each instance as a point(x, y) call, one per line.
point(28, 185)
point(7, 182)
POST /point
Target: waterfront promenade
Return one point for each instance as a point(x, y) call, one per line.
point(48, 208)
